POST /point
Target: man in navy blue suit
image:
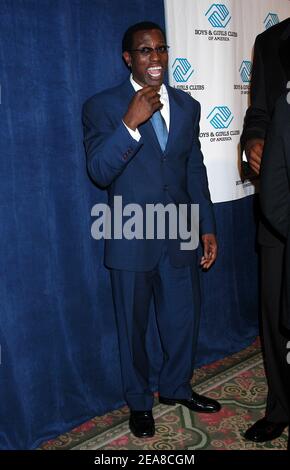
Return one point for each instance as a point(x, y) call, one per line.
point(142, 144)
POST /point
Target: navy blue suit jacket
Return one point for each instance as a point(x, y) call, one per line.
point(141, 173)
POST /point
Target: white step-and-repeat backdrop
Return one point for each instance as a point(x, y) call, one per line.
point(211, 47)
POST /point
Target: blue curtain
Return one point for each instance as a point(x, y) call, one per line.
point(59, 350)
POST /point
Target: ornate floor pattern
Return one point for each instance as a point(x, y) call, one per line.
point(238, 382)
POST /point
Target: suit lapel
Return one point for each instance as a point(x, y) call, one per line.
point(147, 131)
point(176, 115)
point(127, 92)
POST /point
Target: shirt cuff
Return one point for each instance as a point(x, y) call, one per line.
point(244, 158)
point(135, 134)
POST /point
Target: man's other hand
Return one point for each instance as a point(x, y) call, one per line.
point(209, 250)
point(254, 151)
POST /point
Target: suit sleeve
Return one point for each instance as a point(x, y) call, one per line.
point(274, 185)
point(257, 117)
point(109, 148)
point(197, 183)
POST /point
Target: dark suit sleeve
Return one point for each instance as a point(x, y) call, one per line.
point(257, 117)
point(197, 182)
point(274, 185)
point(109, 148)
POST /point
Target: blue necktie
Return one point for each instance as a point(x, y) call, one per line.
point(160, 128)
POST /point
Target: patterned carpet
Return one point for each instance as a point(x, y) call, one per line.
point(238, 382)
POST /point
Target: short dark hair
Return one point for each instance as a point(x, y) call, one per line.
point(127, 41)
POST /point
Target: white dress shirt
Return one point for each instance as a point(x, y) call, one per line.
point(165, 110)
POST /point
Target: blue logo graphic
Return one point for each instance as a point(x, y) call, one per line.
point(245, 71)
point(220, 117)
point(182, 70)
point(270, 20)
point(218, 15)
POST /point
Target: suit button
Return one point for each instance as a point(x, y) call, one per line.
point(163, 159)
point(165, 187)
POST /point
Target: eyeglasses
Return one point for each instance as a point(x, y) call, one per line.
point(146, 51)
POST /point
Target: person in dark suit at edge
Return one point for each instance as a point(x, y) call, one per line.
point(147, 163)
point(275, 205)
point(270, 74)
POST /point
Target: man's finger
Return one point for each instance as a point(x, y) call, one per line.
point(154, 100)
point(255, 157)
point(148, 90)
point(255, 167)
point(256, 150)
point(156, 107)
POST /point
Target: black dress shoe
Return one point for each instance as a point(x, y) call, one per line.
point(141, 423)
point(264, 430)
point(198, 403)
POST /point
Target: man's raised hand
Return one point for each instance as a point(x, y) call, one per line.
point(144, 103)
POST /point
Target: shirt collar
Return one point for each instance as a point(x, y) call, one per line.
point(163, 91)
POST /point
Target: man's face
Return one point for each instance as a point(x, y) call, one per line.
point(147, 69)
